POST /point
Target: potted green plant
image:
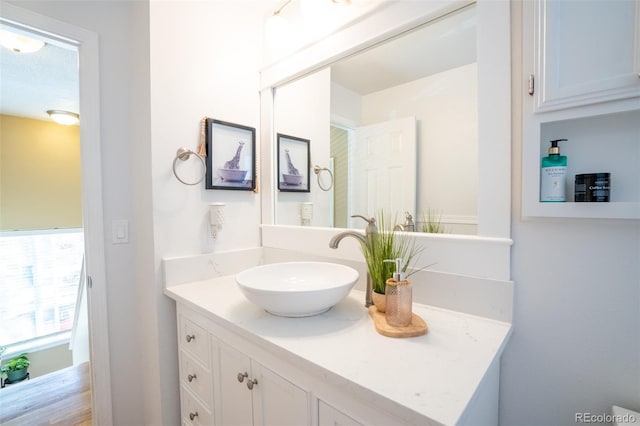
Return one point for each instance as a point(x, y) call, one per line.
point(16, 369)
point(388, 243)
point(431, 223)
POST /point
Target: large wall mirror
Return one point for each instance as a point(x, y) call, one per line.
point(403, 125)
point(397, 127)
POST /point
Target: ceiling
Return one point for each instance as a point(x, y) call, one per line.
point(32, 83)
point(444, 44)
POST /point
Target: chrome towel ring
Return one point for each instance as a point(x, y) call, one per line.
point(183, 154)
point(317, 170)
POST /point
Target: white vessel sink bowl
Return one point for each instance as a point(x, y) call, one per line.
point(297, 289)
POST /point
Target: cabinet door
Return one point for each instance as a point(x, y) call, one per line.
point(278, 402)
point(235, 398)
point(584, 51)
point(330, 416)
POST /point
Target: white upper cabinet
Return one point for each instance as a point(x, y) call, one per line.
point(585, 52)
point(584, 59)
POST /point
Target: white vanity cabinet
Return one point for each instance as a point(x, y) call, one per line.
point(248, 367)
point(251, 394)
point(581, 61)
point(221, 385)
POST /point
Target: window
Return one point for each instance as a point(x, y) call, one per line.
point(39, 277)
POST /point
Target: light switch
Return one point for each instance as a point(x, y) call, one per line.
point(120, 231)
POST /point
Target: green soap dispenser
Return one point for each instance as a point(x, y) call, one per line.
point(553, 175)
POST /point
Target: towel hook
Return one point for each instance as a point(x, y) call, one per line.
point(183, 154)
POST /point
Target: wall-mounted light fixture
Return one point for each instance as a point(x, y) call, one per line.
point(64, 117)
point(313, 17)
point(19, 43)
point(277, 27)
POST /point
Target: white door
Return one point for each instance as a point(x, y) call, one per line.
point(278, 402)
point(384, 169)
point(235, 397)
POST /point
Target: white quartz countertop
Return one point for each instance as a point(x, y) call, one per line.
point(434, 376)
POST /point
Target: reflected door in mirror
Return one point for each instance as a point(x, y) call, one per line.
point(384, 169)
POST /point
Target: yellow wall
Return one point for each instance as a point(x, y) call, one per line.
point(39, 175)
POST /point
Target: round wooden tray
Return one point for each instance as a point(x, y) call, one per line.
point(418, 326)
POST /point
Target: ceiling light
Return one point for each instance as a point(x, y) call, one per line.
point(64, 117)
point(19, 43)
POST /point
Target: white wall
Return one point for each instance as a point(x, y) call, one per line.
point(205, 58)
point(346, 106)
point(291, 117)
point(576, 342)
point(203, 63)
point(47, 360)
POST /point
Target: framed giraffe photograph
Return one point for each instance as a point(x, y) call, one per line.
point(293, 164)
point(231, 156)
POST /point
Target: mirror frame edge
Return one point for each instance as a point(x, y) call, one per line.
point(494, 77)
point(267, 178)
point(494, 71)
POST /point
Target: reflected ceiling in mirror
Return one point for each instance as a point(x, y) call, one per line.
point(397, 125)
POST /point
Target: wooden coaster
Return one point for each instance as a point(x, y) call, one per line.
point(418, 326)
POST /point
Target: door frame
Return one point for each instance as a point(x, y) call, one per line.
point(91, 175)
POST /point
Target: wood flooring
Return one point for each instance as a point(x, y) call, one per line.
point(60, 398)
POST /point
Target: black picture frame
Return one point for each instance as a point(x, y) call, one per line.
point(293, 163)
point(231, 156)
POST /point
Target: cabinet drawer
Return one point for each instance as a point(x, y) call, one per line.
point(193, 412)
point(195, 377)
point(194, 340)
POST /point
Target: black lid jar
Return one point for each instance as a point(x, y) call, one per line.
point(592, 187)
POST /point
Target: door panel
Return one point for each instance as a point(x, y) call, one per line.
point(384, 176)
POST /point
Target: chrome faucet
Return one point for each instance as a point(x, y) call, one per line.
point(408, 225)
point(366, 241)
